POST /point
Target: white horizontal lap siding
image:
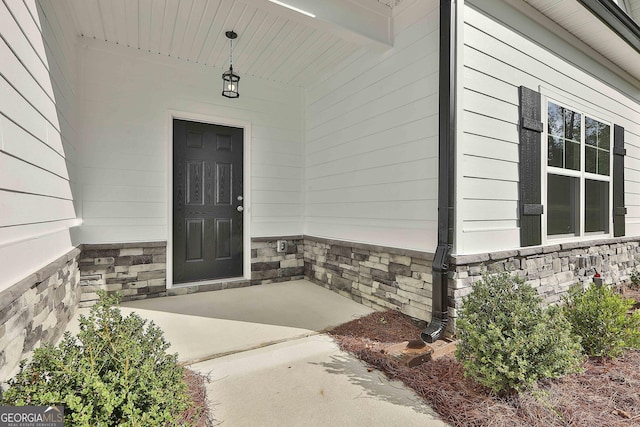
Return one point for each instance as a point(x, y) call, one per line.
point(371, 140)
point(37, 138)
point(497, 60)
point(127, 98)
point(632, 182)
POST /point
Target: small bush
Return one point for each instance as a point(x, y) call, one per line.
point(634, 276)
point(598, 315)
point(508, 341)
point(116, 372)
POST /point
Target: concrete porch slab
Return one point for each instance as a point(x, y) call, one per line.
point(268, 362)
point(209, 324)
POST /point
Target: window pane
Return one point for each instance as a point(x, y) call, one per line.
point(603, 162)
point(596, 133)
point(556, 120)
point(604, 136)
point(596, 214)
point(562, 204)
point(556, 152)
point(572, 124)
point(590, 160)
point(591, 131)
point(572, 155)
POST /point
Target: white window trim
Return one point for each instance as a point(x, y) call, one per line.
point(595, 113)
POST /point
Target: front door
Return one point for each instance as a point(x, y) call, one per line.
point(207, 201)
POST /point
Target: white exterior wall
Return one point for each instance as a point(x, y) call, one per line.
point(127, 96)
point(497, 60)
point(371, 141)
point(38, 134)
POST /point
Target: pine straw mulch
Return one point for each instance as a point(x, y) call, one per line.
point(607, 393)
point(633, 293)
point(199, 414)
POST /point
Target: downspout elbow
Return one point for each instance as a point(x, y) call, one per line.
point(435, 329)
point(439, 314)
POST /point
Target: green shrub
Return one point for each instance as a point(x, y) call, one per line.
point(598, 315)
point(116, 372)
point(508, 341)
point(634, 276)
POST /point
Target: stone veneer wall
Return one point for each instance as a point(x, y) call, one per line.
point(376, 276)
point(136, 270)
point(36, 310)
point(550, 269)
point(268, 265)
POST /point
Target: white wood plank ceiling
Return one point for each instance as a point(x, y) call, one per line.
point(273, 42)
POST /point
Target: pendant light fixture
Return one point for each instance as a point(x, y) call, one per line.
point(230, 79)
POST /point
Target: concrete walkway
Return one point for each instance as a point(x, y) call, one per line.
point(269, 363)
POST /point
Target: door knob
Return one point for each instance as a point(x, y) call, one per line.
point(240, 198)
point(240, 208)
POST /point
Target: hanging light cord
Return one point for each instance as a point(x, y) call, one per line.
point(231, 54)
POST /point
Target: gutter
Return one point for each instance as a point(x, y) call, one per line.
point(446, 177)
point(616, 19)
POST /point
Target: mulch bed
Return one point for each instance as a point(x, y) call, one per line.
point(634, 294)
point(198, 415)
point(607, 393)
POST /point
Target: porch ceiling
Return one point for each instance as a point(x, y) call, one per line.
point(273, 42)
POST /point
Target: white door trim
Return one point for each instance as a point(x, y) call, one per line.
point(203, 118)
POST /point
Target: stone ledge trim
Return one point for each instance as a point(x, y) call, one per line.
point(374, 248)
point(537, 250)
point(269, 239)
point(128, 245)
point(13, 292)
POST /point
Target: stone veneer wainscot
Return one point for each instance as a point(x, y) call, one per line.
point(376, 276)
point(135, 270)
point(36, 310)
point(551, 269)
point(268, 265)
point(139, 270)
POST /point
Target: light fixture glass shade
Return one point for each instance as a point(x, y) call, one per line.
point(230, 84)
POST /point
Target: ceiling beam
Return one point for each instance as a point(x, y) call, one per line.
point(364, 22)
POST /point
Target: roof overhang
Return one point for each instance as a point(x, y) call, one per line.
point(599, 28)
point(616, 19)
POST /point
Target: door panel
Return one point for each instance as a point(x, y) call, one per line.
point(207, 201)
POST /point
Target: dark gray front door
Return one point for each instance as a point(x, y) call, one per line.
point(207, 201)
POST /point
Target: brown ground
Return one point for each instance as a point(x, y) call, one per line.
point(607, 393)
point(628, 292)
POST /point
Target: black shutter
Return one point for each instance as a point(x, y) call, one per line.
point(619, 209)
point(530, 132)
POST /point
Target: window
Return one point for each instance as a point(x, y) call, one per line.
point(578, 173)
